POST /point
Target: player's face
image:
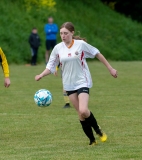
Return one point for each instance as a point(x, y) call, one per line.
point(34, 31)
point(50, 20)
point(66, 35)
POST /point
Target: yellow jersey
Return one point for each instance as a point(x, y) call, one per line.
point(4, 63)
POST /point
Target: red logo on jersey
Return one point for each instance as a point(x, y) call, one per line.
point(69, 54)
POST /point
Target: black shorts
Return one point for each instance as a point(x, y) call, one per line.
point(50, 44)
point(80, 90)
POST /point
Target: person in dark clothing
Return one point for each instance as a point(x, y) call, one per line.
point(34, 41)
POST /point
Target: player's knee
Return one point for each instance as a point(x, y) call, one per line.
point(83, 113)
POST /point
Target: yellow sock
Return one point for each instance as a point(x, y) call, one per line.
point(66, 98)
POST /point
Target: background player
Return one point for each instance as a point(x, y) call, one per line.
point(5, 68)
point(72, 54)
point(51, 30)
point(34, 41)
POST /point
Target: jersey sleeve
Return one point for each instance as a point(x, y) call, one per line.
point(4, 63)
point(89, 51)
point(53, 60)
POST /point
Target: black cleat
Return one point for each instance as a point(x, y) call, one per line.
point(92, 143)
point(67, 105)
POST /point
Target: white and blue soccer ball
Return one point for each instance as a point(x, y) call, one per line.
point(43, 98)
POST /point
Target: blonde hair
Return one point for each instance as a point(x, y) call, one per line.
point(69, 26)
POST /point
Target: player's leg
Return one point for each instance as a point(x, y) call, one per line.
point(66, 99)
point(83, 96)
point(35, 56)
point(53, 43)
point(50, 44)
point(85, 126)
point(85, 112)
point(32, 56)
point(47, 53)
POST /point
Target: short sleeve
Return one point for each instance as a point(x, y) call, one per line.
point(89, 51)
point(53, 60)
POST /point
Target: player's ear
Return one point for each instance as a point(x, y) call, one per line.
point(72, 32)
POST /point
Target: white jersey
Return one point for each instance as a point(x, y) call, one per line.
point(75, 71)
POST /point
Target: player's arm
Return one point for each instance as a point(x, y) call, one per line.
point(55, 29)
point(43, 74)
point(31, 41)
point(5, 68)
point(47, 30)
point(51, 66)
point(112, 71)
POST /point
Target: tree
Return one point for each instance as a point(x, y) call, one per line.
point(131, 8)
point(40, 4)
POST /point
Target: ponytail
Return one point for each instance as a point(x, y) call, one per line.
point(79, 38)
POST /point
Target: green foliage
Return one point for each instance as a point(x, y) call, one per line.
point(53, 133)
point(117, 37)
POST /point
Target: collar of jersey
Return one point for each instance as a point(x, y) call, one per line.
point(71, 44)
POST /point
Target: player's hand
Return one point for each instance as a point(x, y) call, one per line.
point(38, 77)
point(113, 72)
point(56, 73)
point(6, 82)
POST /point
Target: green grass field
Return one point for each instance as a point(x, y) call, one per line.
point(28, 132)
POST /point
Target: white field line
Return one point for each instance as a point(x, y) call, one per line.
point(15, 114)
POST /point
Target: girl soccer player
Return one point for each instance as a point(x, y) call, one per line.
point(72, 53)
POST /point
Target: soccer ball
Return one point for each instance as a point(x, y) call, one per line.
point(43, 98)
